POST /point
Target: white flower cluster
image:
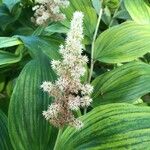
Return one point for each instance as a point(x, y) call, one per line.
point(48, 10)
point(68, 91)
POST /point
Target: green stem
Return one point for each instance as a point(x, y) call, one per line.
point(93, 43)
point(58, 138)
point(78, 113)
point(85, 110)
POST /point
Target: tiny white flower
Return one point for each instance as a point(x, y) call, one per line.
point(78, 124)
point(55, 64)
point(51, 112)
point(47, 86)
point(48, 10)
point(74, 102)
point(68, 91)
point(87, 89)
point(35, 7)
point(86, 101)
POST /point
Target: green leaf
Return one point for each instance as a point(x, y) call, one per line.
point(110, 127)
point(97, 5)
point(9, 41)
point(122, 14)
point(2, 82)
point(5, 143)
point(7, 58)
point(6, 17)
point(90, 17)
point(56, 28)
point(122, 43)
point(36, 45)
point(27, 127)
point(23, 31)
point(124, 84)
point(138, 10)
point(11, 3)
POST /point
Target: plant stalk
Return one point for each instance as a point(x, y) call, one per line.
point(58, 138)
point(93, 42)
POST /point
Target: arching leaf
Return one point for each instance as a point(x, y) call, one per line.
point(9, 41)
point(122, 43)
point(5, 143)
point(124, 84)
point(138, 10)
point(113, 126)
point(27, 127)
point(90, 18)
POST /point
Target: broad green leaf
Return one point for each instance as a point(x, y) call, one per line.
point(124, 84)
point(90, 17)
point(122, 14)
point(27, 127)
point(9, 41)
point(138, 10)
point(7, 58)
point(11, 3)
point(23, 31)
point(122, 43)
point(110, 127)
point(5, 143)
point(36, 45)
point(97, 5)
point(56, 28)
point(6, 17)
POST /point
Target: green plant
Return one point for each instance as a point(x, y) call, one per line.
point(116, 41)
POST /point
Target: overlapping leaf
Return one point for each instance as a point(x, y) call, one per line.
point(9, 41)
point(36, 45)
point(7, 17)
point(56, 28)
point(90, 18)
point(122, 43)
point(27, 127)
point(11, 3)
point(9, 58)
point(138, 10)
point(124, 84)
point(5, 143)
point(113, 126)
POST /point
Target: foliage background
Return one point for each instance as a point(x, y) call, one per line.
point(120, 112)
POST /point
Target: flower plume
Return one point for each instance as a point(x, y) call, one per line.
point(68, 91)
point(48, 10)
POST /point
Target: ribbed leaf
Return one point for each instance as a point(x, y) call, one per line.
point(9, 41)
point(90, 18)
point(138, 10)
point(11, 3)
point(56, 28)
point(4, 136)
point(110, 127)
point(36, 45)
point(124, 84)
point(9, 58)
point(6, 17)
point(122, 43)
point(97, 5)
point(27, 127)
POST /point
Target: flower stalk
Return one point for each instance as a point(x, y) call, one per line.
point(93, 45)
point(68, 92)
point(48, 10)
point(60, 131)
